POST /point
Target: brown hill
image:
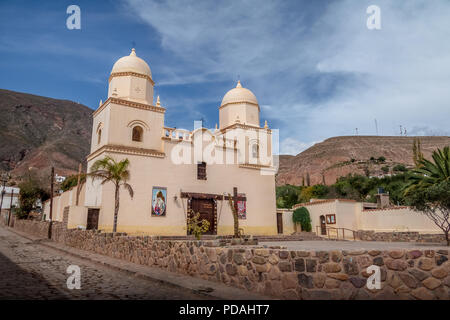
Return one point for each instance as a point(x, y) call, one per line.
point(339, 156)
point(39, 132)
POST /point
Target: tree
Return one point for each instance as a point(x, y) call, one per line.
point(399, 168)
point(72, 181)
point(381, 159)
point(31, 190)
point(385, 169)
point(109, 170)
point(287, 195)
point(301, 216)
point(417, 152)
point(237, 231)
point(428, 190)
point(196, 226)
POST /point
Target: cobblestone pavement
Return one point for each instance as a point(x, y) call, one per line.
point(351, 245)
point(31, 271)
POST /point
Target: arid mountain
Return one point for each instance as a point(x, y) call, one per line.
point(38, 132)
point(339, 156)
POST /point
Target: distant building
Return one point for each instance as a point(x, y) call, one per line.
point(328, 215)
point(10, 197)
point(59, 179)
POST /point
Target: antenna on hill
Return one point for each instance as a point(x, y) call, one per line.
point(356, 130)
point(401, 130)
point(376, 126)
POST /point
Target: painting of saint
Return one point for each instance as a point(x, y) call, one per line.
point(242, 210)
point(159, 201)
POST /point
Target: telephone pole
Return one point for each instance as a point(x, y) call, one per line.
point(51, 203)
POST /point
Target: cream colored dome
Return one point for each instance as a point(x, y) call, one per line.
point(239, 94)
point(132, 63)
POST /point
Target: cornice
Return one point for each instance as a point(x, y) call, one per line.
point(129, 73)
point(244, 126)
point(254, 166)
point(128, 103)
point(126, 150)
point(240, 102)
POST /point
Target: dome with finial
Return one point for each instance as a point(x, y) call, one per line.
point(239, 95)
point(132, 63)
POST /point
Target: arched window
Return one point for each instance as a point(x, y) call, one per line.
point(137, 133)
point(99, 136)
point(255, 151)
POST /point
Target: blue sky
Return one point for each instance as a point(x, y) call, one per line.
point(315, 68)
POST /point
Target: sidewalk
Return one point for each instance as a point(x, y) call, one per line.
point(197, 285)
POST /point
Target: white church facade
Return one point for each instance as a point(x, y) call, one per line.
point(173, 171)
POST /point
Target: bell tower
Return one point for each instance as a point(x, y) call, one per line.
point(131, 79)
point(128, 120)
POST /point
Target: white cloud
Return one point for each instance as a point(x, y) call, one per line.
point(317, 73)
point(294, 146)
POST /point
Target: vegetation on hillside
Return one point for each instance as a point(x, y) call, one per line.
point(355, 187)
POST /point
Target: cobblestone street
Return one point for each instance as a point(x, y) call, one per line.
point(29, 270)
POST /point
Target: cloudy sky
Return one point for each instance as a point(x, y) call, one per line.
point(315, 67)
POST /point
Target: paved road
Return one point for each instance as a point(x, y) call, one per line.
point(351, 245)
point(31, 271)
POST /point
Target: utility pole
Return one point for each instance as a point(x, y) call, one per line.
point(376, 126)
point(10, 206)
point(51, 203)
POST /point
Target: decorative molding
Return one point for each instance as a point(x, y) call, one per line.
point(126, 150)
point(298, 205)
point(129, 73)
point(212, 196)
point(254, 166)
point(128, 103)
point(244, 126)
point(138, 122)
point(240, 102)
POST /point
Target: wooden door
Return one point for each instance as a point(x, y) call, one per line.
point(92, 219)
point(206, 209)
point(323, 226)
point(280, 223)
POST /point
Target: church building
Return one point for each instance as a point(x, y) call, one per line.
point(175, 172)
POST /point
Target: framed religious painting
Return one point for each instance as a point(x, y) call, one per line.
point(242, 207)
point(159, 201)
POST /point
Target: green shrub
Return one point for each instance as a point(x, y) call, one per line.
point(385, 169)
point(400, 168)
point(301, 215)
point(381, 159)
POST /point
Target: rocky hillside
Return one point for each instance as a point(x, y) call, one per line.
point(38, 132)
point(339, 156)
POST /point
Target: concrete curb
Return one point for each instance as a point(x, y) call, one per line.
point(200, 286)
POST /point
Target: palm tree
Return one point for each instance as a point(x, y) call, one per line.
point(430, 173)
point(428, 190)
point(109, 170)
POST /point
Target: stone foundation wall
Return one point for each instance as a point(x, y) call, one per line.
point(416, 274)
point(35, 228)
point(400, 236)
point(281, 273)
